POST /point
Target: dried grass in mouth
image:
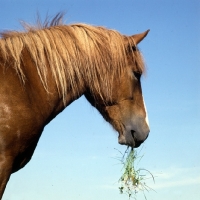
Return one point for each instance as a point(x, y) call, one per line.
point(132, 180)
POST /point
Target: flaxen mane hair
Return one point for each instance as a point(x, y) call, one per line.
point(76, 54)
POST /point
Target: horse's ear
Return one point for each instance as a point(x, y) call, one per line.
point(137, 38)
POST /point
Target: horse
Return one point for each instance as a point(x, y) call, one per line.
point(46, 67)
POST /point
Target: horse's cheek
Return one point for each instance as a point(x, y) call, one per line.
point(114, 113)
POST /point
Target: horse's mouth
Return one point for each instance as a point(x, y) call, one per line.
point(129, 139)
point(123, 139)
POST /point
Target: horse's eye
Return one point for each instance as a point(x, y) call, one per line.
point(137, 75)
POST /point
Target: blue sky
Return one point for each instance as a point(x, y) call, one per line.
point(75, 156)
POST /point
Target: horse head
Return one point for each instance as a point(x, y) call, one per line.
point(126, 110)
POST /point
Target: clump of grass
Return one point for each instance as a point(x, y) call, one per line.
point(133, 180)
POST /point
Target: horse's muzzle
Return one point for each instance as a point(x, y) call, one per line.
point(133, 138)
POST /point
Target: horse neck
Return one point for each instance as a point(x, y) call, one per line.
point(52, 103)
point(48, 99)
point(42, 92)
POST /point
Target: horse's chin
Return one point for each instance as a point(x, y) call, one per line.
point(123, 141)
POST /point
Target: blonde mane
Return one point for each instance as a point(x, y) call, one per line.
point(76, 54)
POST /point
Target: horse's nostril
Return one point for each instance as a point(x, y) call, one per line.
point(132, 133)
point(137, 143)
